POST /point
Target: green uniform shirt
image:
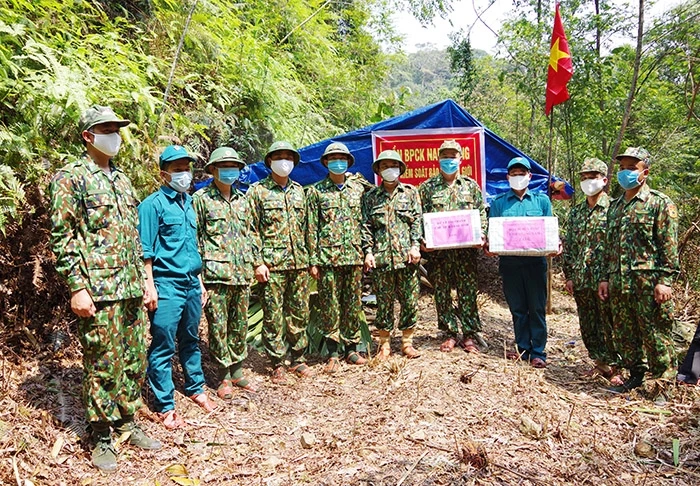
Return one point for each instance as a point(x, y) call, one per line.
point(224, 236)
point(279, 225)
point(584, 247)
point(94, 237)
point(391, 225)
point(642, 241)
point(335, 221)
point(464, 193)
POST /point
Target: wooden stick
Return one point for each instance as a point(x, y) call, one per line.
point(519, 474)
point(428, 444)
point(408, 473)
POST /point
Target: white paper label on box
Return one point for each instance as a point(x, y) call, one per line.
point(524, 236)
point(452, 229)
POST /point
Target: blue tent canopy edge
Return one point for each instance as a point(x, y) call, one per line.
point(445, 114)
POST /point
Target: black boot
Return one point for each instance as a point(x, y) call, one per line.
point(634, 381)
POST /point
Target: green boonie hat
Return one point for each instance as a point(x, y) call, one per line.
point(594, 165)
point(281, 145)
point(223, 154)
point(337, 148)
point(96, 115)
point(638, 153)
point(389, 155)
point(450, 145)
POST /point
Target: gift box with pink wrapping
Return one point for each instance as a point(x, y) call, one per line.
point(452, 229)
point(524, 236)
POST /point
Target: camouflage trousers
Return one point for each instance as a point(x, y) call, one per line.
point(402, 284)
point(227, 316)
point(595, 322)
point(339, 298)
point(285, 303)
point(455, 269)
point(642, 328)
point(114, 359)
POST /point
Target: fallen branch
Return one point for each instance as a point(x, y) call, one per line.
point(428, 444)
point(520, 475)
point(408, 473)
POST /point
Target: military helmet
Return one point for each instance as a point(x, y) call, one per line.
point(638, 153)
point(223, 154)
point(281, 145)
point(594, 165)
point(450, 145)
point(389, 155)
point(337, 148)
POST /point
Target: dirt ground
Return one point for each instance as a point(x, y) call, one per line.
point(442, 419)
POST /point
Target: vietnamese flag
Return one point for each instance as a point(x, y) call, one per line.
point(560, 66)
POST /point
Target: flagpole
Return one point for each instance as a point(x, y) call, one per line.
point(549, 193)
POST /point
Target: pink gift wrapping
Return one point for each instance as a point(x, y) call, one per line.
point(452, 229)
point(524, 236)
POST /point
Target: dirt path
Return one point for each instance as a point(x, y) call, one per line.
point(443, 419)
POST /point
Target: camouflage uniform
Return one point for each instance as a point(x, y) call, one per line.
point(223, 232)
point(456, 268)
point(334, 226)
point(584, 249)
point(391, 225)
point(279, 227)
point(97, 247)
point(641, 252)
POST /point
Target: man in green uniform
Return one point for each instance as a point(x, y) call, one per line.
point(279, 211)
point(335, 251)
point(98, 253)
point(225, 243)
point(583, 266)
point(392, 231)
point(524, 277)
point(455, 268)
point(641, 258)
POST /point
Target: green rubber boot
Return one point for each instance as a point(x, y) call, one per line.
point(137, 436)
point(104, 457)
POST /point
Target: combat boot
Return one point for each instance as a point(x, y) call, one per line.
point(137, 437)
point(104, 457)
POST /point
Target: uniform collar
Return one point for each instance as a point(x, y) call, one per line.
point(643, 193)
point(94, 168)
point(513, 195)
point(270, 183)
point(170, 192)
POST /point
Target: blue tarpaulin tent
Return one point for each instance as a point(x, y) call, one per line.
point(439, 115)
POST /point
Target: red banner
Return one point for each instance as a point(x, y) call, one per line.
point(419, 150)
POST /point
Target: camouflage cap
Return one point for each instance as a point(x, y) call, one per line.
point(281, 145)
point(337, 148)
point(389, 155)
point(594, 165)
point(638, 153)
point(172, 153)
point(222, 154)
point(450, 145)
point(96, 115)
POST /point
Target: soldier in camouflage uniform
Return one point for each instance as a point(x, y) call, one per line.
point(392, 231)
point(455, 268)
point(223, 232)
point(335, 252)
point(641, 263)
point(97, 248)
point(279, 212)
point(583, 265)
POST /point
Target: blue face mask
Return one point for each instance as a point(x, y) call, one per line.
point(449, 166)
point(628, 179)
point(338, 166)
point(228, 175)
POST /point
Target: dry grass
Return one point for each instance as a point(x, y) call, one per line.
point(408, 422)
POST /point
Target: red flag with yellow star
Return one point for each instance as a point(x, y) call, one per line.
point(560, 66)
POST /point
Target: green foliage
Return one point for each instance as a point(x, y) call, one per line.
point(461, 63)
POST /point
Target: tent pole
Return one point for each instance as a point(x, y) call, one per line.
point(549, 193)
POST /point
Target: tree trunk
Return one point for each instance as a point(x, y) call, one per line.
point(633, 85)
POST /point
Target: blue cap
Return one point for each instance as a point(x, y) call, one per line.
point(174, 152)
point(519, 161)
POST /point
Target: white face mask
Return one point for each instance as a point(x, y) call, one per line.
point(391, 174)
point(282, 167)
point(107, 143)
point(518, 183)
point(591, 187)
point(180, 181)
